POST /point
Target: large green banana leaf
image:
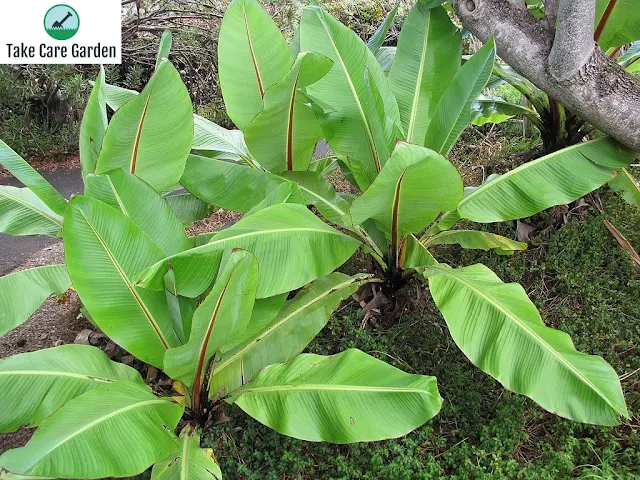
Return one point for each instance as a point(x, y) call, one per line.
point(343, 398)
point(118, 429)
point(21, 293)
point(453, 112)
point(284, 237)
point(500, 330)
point(22, 212)
point(93, 126)
point(385, 57)
point(105, 251)
point(4, 475)
point(630, 59)
point(283, 136)
point(228, 185)
point(617, 23)
point(496, 110)
point(353, 127)
point(556, 179)
point(31, 179)
point(252, 57)
point(415, 255)
point(143, 205)
point(208, 136)
point(317, 191)
point(164, 48)
point(627, 187)
point(474, 239)
point(181, 310)
point(219, 323)
point(380, 35)
point(116, 97)
point(188, 208)
point(34, 385)
point(276, 340)
point(287, 192)
point(151, 135)
point(415, 186)
point(188, 462)
point(427, 59)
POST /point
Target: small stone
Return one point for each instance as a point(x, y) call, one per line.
point(58, 343)
point(44, 336)
point(83, 337)
point(111, 349)
point(95, 337)
point(128, 360)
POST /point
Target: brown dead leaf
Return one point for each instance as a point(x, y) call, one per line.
point(152, 374)
point(561, 213)
point(372, 308)
point(524, 231)
point(622, 241)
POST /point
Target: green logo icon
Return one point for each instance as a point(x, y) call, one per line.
point(61, 22)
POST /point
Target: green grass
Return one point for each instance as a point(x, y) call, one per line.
point(582, 283)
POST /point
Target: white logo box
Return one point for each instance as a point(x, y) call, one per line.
point(24, 39)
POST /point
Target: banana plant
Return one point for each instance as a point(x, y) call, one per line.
point(236, 342)
point(390, 135)
point(212, 311)
point(227, 322)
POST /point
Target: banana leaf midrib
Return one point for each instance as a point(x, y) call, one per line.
point(418, 87)
point(128, 283)
point(98, 421)
point(322, 386)
point(531, 164)
point(51, 373)
point(365, 121)
point(31, 207)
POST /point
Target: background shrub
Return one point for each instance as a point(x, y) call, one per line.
point(41, 105)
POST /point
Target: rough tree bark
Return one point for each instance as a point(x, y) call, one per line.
point(578, 75)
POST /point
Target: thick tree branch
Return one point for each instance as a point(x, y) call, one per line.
point(551, 12)
point(599, 91)
point(573, 43)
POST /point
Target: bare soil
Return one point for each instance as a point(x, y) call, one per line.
point(216, 221)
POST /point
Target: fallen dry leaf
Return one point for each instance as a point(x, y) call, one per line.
point(524, 231)
point(622, 241)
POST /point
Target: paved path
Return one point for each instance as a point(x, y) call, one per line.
point(15, 250)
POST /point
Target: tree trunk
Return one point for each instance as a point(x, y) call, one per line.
point(599, 91)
